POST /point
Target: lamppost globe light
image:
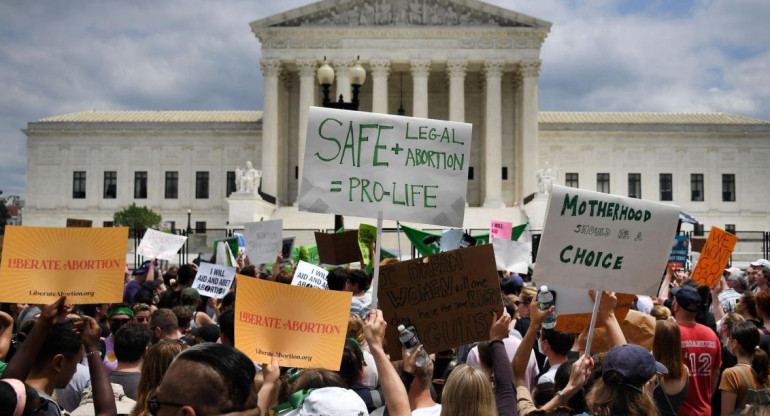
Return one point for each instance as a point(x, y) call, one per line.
point(357, 74)
point(325, 74)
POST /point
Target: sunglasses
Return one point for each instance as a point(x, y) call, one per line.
point(154, 405)
point(142, 319)
point(120, 321)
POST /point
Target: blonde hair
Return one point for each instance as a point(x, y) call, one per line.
point(607, 400)
point(529, 293)
point(159, 358)
point(468, 392)
point(660, 312)
point(356, 329)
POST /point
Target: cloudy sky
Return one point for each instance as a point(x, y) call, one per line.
point(59, 57)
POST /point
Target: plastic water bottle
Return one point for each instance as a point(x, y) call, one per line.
point(408, 338)
point(545, 300)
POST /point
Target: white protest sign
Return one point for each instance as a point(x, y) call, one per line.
point(264, 240)
point(411, 169)
point(599, 241)
point(159, 245)
point(214, 280)
point(512, 255)
point(309, 275)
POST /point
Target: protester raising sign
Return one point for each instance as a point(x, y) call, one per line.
point(714, 257)
point(599, 241)
point(264, 240)
point(500, 229)
point(678, 256)
point(159, 245)
point(214, 280)
point(448, 297)
point(410, 169)
point(41, 264)
point(305, 327)
point(308, 275)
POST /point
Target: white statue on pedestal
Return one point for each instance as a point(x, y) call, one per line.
point(546, 177)
point(247, 179)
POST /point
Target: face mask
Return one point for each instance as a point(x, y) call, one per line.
point(540, 347)
point(727, 345)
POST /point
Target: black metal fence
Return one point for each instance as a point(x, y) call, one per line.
point(751, 245)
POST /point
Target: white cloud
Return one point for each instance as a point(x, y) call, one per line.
point(60, 57)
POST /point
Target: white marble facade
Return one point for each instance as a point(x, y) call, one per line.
point(460, 60)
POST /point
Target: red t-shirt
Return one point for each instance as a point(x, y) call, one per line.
point(701, 352)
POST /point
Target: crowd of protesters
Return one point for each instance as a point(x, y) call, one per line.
point(691, 350)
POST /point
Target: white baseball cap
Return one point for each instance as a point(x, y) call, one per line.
point(761, 263)
point(330, 401)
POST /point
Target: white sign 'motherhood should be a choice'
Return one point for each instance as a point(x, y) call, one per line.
point(600, 241)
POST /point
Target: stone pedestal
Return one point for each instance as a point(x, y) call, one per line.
point(247, 207)
point(536, 210)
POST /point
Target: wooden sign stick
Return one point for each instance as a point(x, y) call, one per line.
point(378, 247)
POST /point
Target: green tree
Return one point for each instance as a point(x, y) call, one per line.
point(3, 215)
point(136, 218)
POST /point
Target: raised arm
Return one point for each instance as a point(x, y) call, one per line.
point(505, 397)
point(104, 399)
point(393, 389)
point(6, 323)
point(606, 315)
point(271, 373)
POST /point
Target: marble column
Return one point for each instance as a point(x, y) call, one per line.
point(342, 74)
point(306, 68)
point(493, 142)
point(529, 129)
point(420, 71)
point(380, 71)
point(518, 150)
point(456, 73)
point(271, 69)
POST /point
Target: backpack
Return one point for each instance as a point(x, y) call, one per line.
point(754, 397)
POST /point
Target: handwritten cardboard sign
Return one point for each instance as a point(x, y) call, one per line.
point(338, 248)
point(714, 257)
point(308, 275)
point(574, 307)
point(449, 298)
point(76, 223)
point(679, 251)
point(306, 327)
point(39, 264)
point(512, 255)
point(214, 280)
point(500, 229)
point(599, 241)
point(264, 240)
point(411, 169)
point(159, 245)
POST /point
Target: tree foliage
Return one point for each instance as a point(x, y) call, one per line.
point(137, 218)
point(4, 215)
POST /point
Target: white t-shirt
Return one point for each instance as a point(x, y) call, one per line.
point(550, 375)
point(434, 410)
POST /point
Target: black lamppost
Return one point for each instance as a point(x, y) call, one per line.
point(325, 76)
point(189, 212)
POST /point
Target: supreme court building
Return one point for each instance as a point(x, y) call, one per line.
point(459, 60)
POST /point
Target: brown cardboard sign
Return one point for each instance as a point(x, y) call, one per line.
point(338, 248)
point(577, 322)
point(697, 243)
point(75, 223)
point(449, 298)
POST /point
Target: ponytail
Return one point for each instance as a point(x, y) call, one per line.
point(760, 363)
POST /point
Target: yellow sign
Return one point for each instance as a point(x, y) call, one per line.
point(306, 327)
point(85, 264)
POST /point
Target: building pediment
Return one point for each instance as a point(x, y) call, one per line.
point(400, 13)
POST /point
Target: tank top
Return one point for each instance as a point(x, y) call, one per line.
point(668, 405)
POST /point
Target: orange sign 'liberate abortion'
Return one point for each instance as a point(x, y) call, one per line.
point(306, 327)
point(40, 264)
